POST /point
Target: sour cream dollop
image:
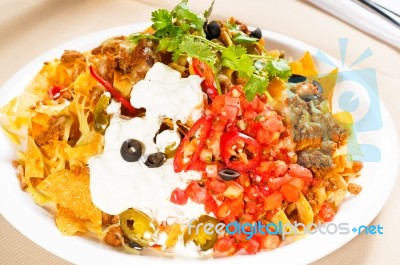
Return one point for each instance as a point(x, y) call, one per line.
point(117, 185)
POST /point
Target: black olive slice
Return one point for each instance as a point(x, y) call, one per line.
point(228, 174)
point(155, 160)
point(131, 150)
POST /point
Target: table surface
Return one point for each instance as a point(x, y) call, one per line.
point(30, 28)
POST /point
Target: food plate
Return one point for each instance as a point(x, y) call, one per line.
point(36, 223)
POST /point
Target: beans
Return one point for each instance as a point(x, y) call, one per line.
point(228, 174)
point(155, 160)
point(131, 150)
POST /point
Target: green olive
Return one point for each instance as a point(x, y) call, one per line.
point(137, 227)
point(100, 115)
point(201, 237)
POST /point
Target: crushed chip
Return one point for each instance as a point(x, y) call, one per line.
point(68, 223)
point(305, 66)
point(70, 189)
point(80, 155)
point(34, 167)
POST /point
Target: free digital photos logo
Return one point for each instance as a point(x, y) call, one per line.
point(356, 92)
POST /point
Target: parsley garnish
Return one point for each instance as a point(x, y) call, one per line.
point(181, 32)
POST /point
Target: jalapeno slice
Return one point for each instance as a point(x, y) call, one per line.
point(202, 232)
point(137, 227)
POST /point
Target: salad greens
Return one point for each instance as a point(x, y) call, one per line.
point(181, 32)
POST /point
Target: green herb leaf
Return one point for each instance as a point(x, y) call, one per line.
point(236, 58)
point(243, 38)
point(183, 13)
point(196, 48)
point(135, 38)
point(162, 19)
point(256, 85)
point(278, 68)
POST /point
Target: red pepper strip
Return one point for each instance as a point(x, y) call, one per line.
point(114, 93)
point(232, 141)
point(200, 130)
point(203, 70)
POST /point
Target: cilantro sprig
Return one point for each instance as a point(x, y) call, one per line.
point(181, 32)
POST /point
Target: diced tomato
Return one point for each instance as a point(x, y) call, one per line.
point(326, 213)
point(276, 183)
point(224, 243)
point(273, 201)
point(179, 196)
point(237, 207)
point(299, 183)
point(244, 180)
point(249, 114)
point(263, 136)
point(280, 168)
point(234, 190)
point(252, 193)
point(298, 171)
point(251, 207)
point(268, 241)
point(224, 209)
point(212, 171)
point(290, 193)
point(210, 205)
point(231, 112)
point(231, 101)
point(218, 103)
point(216, 186)
point(274, 124)
point(196, 193)
point(251, 246)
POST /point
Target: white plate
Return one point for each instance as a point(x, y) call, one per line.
point(35, 223)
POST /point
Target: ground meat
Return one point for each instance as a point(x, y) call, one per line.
point(113, 237)
point(332, 130)
point(314, 159)
point(354, 188)
point(108, 219)
point(357, 166)
point(143, 54)
point(54, 132)
point(71, 55)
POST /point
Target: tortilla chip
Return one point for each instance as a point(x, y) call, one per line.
point(81, 154)
point(305, 66)
point(67, 222)
point(34, 167)
point(70, 190)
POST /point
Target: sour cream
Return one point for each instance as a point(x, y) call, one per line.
point(117, 185)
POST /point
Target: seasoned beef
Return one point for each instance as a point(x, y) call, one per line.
point(71, 55)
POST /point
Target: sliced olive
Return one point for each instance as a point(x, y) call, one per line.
point(297, 78)
point(131, 150)
point(155, 160)
point(257, 33)
point(228, 174)
point(100, 115)
point(213, 30)
point(318, 85)
point(137, 227)
point(201, 233)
